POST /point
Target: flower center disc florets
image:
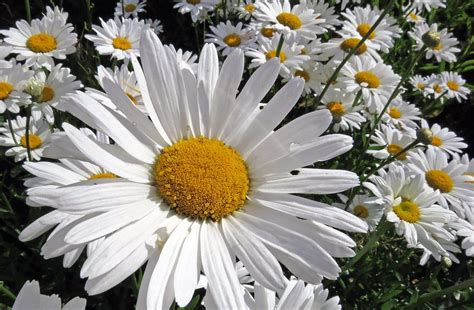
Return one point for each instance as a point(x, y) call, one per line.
point(361, 211)
point(438, 179)
point(364, 28)
point(202, 178)
point(336, 108)
point(290, 20)
point(47, 94)
point(394, 149)
point(453, 85)
point(394, 113)
point(130, 8)
point(41, 43)
point(232, 40)
point(35, 141)
point(368, 78)
point(350, 43)
point(121, 43)
point(5, 90)
point(271, 54)
point(407, 211)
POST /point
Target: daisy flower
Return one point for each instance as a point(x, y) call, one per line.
point(308, 72)
point(388, 141)
point(444, 139)
point(311, 48)
point(42, 40)
point(56, 14)
point(197, 8)
point(359, 21)
point(294, 22)
point(323, 11)
point(130, 8)
point(38, 137)
point(212, 180)
point(290, 54)
point(414, 16)
point(402, 115)
point(453, 83)
point(12, 81)
point(338, 48)
point(228, 37)
point(117, 37)
point(447, 177)
point(465, 229)
point(428, 4)
point(412, 209)
point(246, 9)
point(324, 74)
point(154, 25)
point(30, 297)
point(368, 208)
point(444, 49)
point(186, 59)
point(435, 87)
point(376, 80)
point(449, 247)
point(419, 82)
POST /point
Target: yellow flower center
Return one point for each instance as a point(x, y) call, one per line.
point(348, 44)
point(361, 211)
point(249, 7)
point(194, 2)
point(439, 179)
point(438, 47)
point(202, 178)
point(232, 40)
point(368, 78)
point(413, 16)
point(35, 141)
point(336, 108)
point(303, 74)
point(130, 8)
point(269, 55)
point(46, 95)
point(103, 175)
point(437, 88)
point(407, 211)
point(394, 149)
point(121, 43)
point(436, 141)
point(5, 90)
point(394, 113)
point(41, 43)
point(453, 85)
point(364, 28)
point(133, 99)
point(267, 32)
point(420, 86)
point(290, 20)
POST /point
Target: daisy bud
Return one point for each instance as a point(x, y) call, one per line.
point(34, 87)
point(424, 135)
point(431, 39)
point(447, 262)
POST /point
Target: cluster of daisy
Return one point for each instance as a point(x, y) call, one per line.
point(190, 164)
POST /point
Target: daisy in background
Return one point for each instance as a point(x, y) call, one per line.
point(428, 4)
point(465, 228)
point(376, 80)
point(359, 21)
point(41, 41)
point(228, 37)
point(444, 139)
point(246, 9)
point(402, 115)
point(186, 59)
point(324, 12)
point(154, 25)
point(414, 16)
point(442, 43)
point(56, 14)
point(197, 8)
point(117, 37)
point(368, 208)
point(130, 8)
point(419, 82)
point(38, 137)
point(293, 22)
point(324, 74)
point(195, 215)
point(435, 87)
point(290, 54)
point(412, 209)
point(5, 51)
point(30, 297)
point(312, 48)
point(345, 115)
point(308, 72)
point(344, 3)
point(446, 176)
point(12, 82)
point(338, 48)
point(453, 83)
point(388, 141)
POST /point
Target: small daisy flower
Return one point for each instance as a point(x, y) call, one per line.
point(293, 22)
point(290, 54)
point(338, 48)
point(465, 229)
point(453, 83)
point(130, 8)
point(228, 37)
point(246, 9)
point(30, 297)
point(117, 37)
point(435, 88)
point(323, 11)
point(263, 31)
point(359, 21)
point(368, 208)
point(154, 25)
point(447, 177)
point(419, 82)
point(376, 80)
point(444, 139)
point(42, 40)
point(414, 16)
point(186, 59)
point(308, 72)
point(388, 141)
point(311, 48)
point(197, 8)
point(445, 48)
point(428, 4)
point(402, 115)
point(12, 81)
point(345, 116)
point(38, 137)
point(324, 74)
point(56, 14)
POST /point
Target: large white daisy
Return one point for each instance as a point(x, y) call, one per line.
point(206, 179)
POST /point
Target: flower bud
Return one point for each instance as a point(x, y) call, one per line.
point(424, 135)
point(34, 87)
point(447, 262)
point(431, 39)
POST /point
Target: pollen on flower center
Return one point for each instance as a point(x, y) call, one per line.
point(121, 43)
point(394, 113)
point(41, 43)
point(453, 85)
point(368, 78)
point(438, 47)
point(46, 95)
point(361, 211)
point(267, 32)
point(232, 40)
point(103, 175)
point(249, 7)
point(303, 74)
point(350, 43)
point(420, 86)
point(394, 149)
point(439, 179)
point(436, 141)
point(194, 2)
point(5, 90)
point(364, 28)
point(202, 178)
point(290, 20)
point(407, 211)
point(413, 16)
point(269, 55)
point(130, 7)
point(336, 108)
point(437, 88)
point(35, 141)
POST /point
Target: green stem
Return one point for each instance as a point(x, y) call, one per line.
point(10, 126)
point(280, 45)
point(353, 51)
point(224, 8)
point(437, 294)
point(123, 10)
point(28, 10)
point(5, 291)
point(433, 103)
point(7, 203)
point(27, 132)
point(89, 15)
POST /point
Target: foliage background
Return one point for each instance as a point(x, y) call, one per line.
point(388, 278)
